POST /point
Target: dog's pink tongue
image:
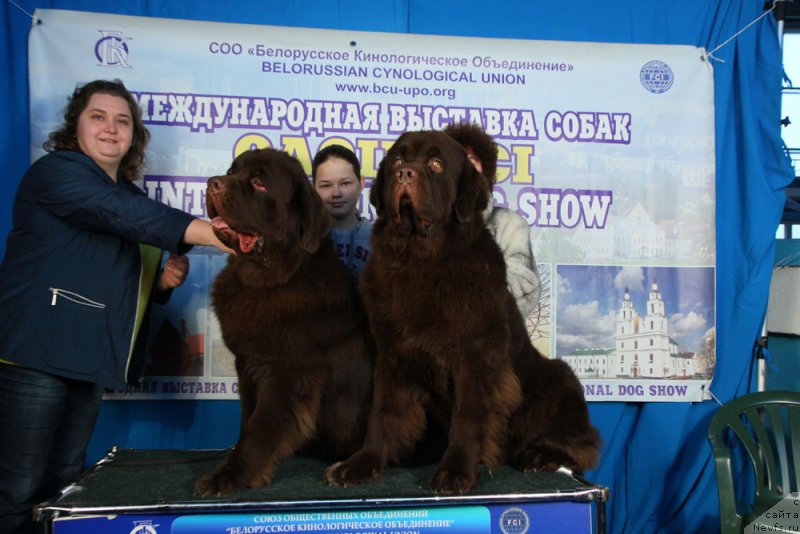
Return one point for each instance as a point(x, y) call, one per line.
point(247, 242)
point(217, 222)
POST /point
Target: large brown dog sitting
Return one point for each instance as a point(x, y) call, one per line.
point(290, 313)
point(452, 347)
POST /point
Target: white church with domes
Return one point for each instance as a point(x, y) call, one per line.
point(642, 346)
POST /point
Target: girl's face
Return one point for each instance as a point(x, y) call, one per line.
point(339, 187)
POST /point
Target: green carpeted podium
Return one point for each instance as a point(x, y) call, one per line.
point(150, 492)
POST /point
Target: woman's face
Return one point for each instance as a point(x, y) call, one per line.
point(474, 159)
point(105, 130)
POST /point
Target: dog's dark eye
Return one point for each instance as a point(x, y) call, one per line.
point(397, 161)
point(258, 184)
point(436, 165)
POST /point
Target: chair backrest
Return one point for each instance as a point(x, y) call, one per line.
point(767, 425)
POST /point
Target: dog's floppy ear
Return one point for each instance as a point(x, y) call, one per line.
point(314, 219)
point(472, 196)
point(376, 191)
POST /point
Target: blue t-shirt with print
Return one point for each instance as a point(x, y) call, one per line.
point(352, 246)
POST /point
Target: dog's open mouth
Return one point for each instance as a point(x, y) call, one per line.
point(408, 217)
point(246, 242)
point(405, 209)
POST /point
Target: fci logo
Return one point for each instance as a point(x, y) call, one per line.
point(111, 50)
point(144, 527)
point(514, 521)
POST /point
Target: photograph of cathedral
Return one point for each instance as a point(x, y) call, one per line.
point(636, 322)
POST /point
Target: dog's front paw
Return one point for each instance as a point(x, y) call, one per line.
point(226, 478)
point(448, 481)
point(546, 459)
point(217, 484)
point(359, 468)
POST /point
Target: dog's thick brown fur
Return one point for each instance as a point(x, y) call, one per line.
point(452, 347)
point(290, 313)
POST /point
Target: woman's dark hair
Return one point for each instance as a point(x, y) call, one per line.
point(65, 137)
point(335, 151)
point(482, 145)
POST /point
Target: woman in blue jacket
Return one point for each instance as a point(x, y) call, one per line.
point(81, 261)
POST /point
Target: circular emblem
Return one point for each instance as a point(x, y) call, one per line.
point(514, 521)
point(111, 51)
point(144, 529)
point(656, 77)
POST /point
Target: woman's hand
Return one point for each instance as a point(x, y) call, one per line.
point(174, 274)
point(200, 232)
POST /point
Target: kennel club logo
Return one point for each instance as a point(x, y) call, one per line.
point(657, 77)
point(111, 50)
point(144, 527)
point(514, 521)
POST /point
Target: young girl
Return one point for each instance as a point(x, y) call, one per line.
point(336, 174)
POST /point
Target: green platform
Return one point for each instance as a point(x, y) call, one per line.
point(157, 482)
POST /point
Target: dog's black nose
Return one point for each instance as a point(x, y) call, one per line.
point(405, 175)
point(216, 185)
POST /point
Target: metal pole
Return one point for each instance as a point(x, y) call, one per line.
point(761, 380)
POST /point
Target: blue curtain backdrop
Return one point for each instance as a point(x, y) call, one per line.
point(656, 459)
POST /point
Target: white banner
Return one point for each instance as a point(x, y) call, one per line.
point(606, 150)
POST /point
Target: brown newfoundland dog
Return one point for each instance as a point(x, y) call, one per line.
point(290, 313)
point(453, 351)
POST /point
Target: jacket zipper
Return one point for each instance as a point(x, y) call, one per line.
point(75, 297)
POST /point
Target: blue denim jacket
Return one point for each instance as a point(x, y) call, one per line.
point(69, 282)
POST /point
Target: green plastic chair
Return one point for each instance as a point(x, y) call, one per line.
point(767, 425)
